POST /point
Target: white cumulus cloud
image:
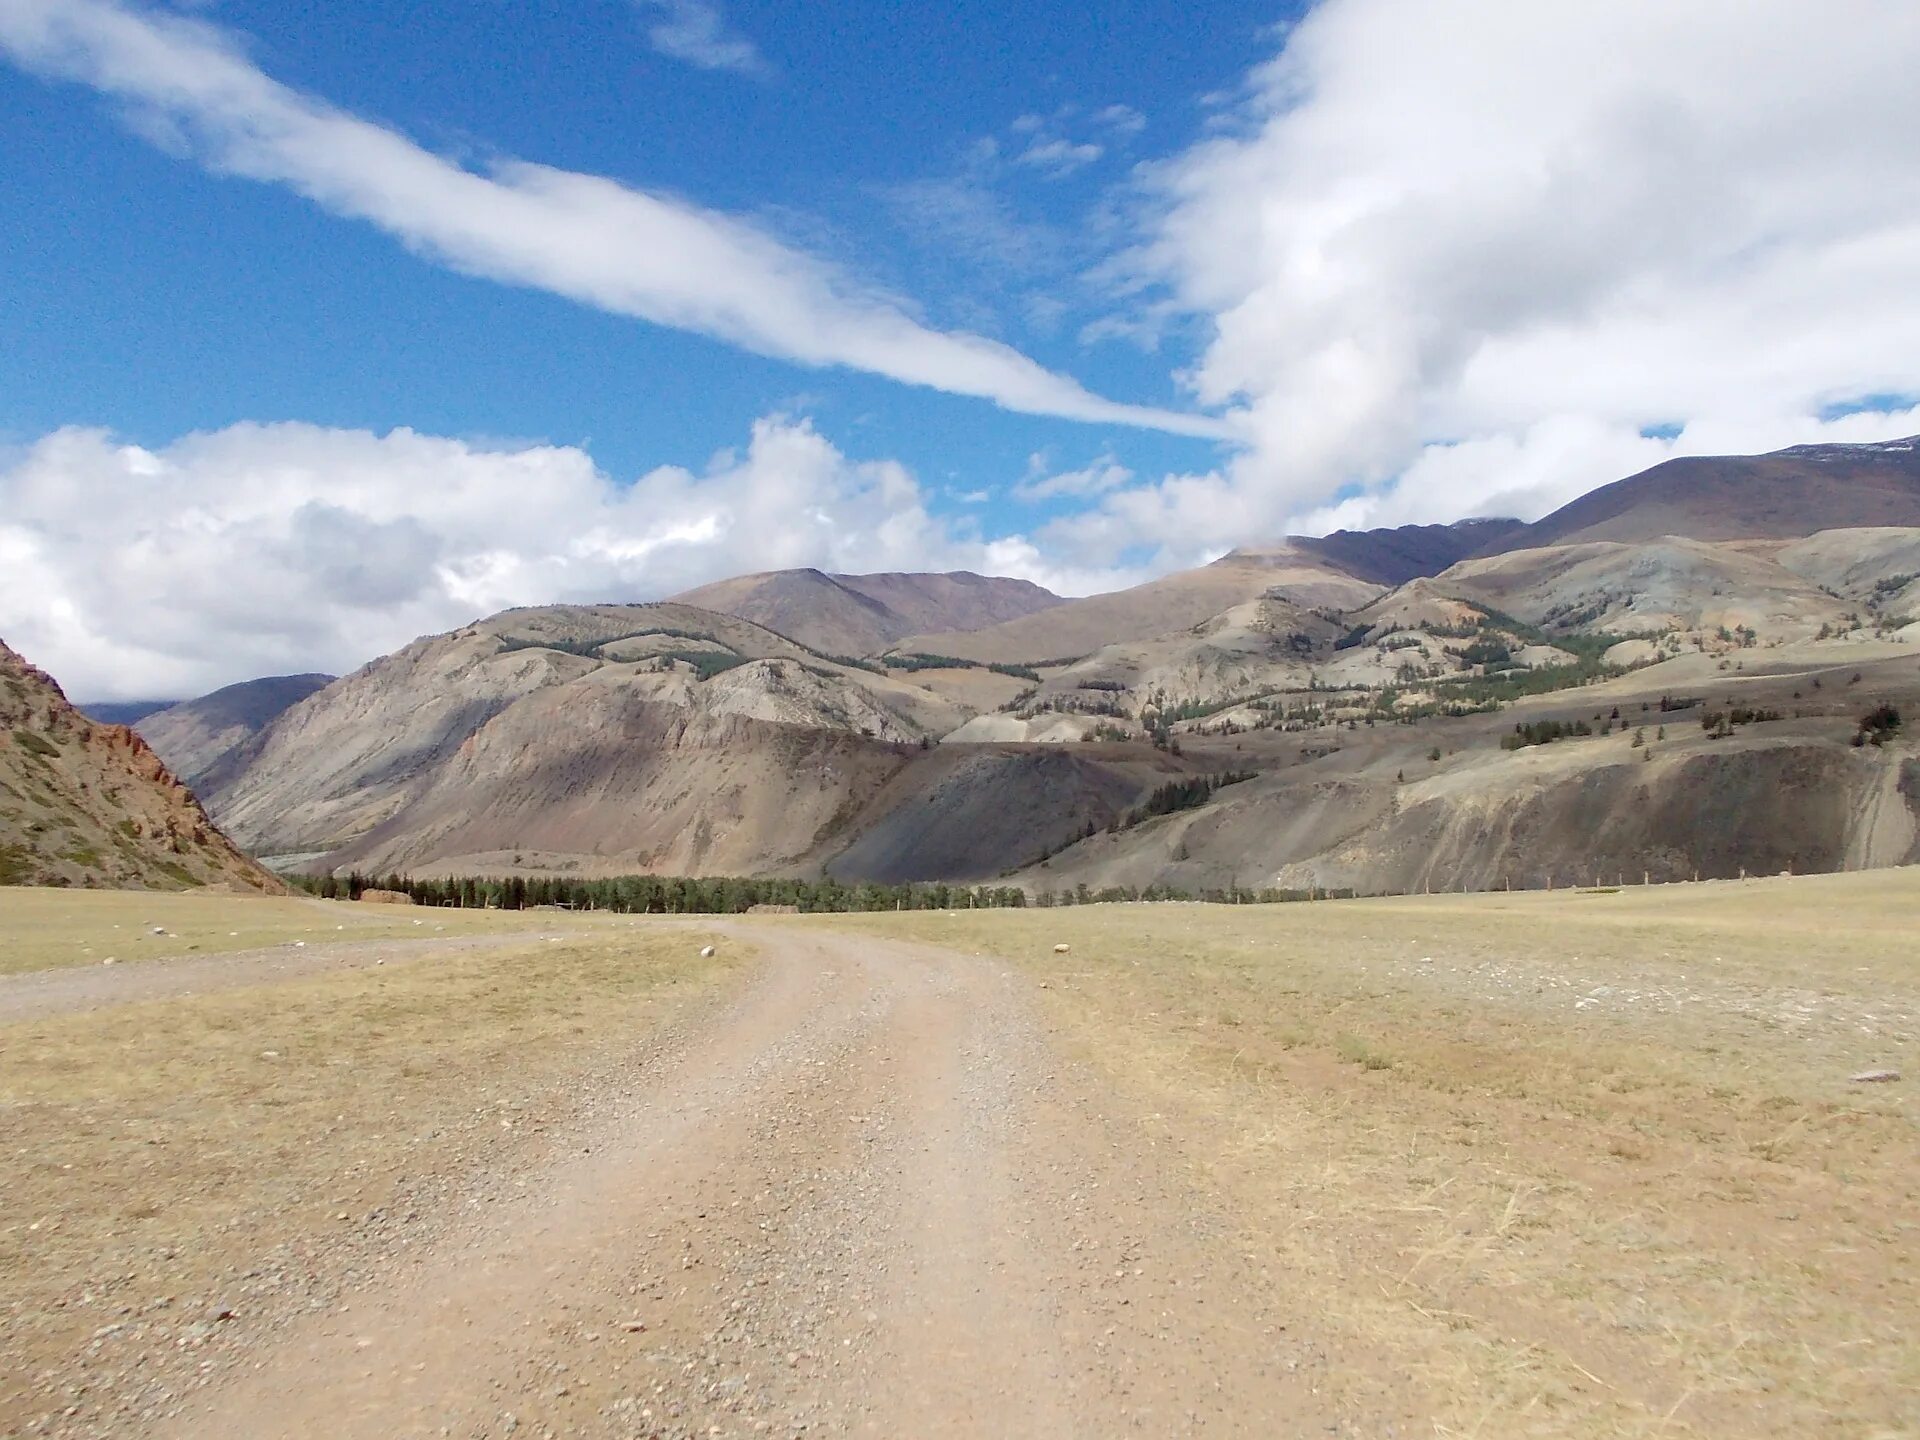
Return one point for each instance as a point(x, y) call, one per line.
point(130, 572)
point(585, 237)
point(1526, 233)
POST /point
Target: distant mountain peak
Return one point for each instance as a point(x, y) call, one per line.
point(866, 614)
point(1397, 554)
point(1785, 495)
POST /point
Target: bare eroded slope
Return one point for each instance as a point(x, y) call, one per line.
point(88, 804)
point(194, 736)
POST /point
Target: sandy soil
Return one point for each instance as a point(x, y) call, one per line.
point(868, 1198)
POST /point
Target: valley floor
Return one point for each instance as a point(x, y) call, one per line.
point(1572, 1164)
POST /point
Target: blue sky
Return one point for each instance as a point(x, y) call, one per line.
point(155, 298)
point(329, 326)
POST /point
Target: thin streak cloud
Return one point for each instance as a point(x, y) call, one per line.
point(585, 237)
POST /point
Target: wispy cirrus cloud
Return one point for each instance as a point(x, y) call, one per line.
point(969, 216)
point(998, 215)
point(1069, 139)
point(697, 32)
point(585, 237)
point(1058, 157)
point(1043, 482)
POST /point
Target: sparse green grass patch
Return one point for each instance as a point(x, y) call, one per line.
point(35, 744)
point(1355, 1051)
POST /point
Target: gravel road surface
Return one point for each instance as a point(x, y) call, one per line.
point(868, 1197)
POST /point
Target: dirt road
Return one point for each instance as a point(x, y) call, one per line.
point(867, 1198)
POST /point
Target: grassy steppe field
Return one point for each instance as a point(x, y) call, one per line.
point(41, 929)
point(1582, 1163)
point(172, 1159)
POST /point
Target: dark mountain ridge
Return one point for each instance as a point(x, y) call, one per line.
point(1397, 554)
point(195, 735)
point(1787, 494)
point(123, 712)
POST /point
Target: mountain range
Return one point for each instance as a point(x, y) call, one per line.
point(1666, 677)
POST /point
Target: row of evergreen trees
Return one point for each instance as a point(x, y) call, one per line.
point(1177, 795)
point(1542, 732)
point(731, 895)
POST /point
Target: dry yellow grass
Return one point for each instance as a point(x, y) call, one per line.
point(164, 1158)
point(41, 929)
point(1580, 1164)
